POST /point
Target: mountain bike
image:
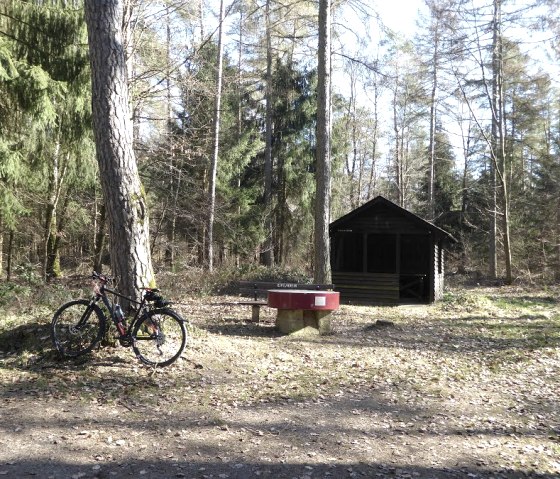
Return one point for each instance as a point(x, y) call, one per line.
point(156, 333)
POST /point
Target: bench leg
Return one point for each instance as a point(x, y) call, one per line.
point(255, 312)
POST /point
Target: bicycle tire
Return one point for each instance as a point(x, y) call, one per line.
point(69, 337)
point(159, 337)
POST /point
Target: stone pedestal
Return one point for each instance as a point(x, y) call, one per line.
point(298, 309)
point(291, 320)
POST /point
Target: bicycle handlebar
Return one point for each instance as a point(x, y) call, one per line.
point(150, 294)
point(101, 277)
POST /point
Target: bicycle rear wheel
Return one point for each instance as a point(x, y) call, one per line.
point(77, 327)
point(159, 337)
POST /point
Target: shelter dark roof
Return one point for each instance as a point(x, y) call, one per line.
point(381, 202)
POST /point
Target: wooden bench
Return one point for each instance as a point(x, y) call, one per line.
point(258, 292)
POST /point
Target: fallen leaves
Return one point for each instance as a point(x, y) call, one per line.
point(449, 389)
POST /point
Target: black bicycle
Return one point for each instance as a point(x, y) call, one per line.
point(157, 333)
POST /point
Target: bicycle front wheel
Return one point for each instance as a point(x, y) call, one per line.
point(159, 337)
point(77, 327)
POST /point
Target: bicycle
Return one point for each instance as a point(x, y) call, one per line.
point(156, 333)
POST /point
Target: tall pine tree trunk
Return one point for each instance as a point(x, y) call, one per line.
point(216, 149)
point(169, 247)
point(322, 266)
point(372, 174)
point(432, 146)
point(397, 154)
point(268, 254)
point(492, 239)
point(500, 195)
point(123, 193)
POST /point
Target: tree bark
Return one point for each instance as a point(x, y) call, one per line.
point(433, 122)
point(492, 240)
point(500, 178)
point(123, 193)
point(99, 239)
point(51, 259)
point(174, 183)
point(268, 255)
point(216, 149)
point(322, 266)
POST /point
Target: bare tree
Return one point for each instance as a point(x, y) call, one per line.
point(216, 146)
point(268, 256)
point(498, 142)
point(322, 265)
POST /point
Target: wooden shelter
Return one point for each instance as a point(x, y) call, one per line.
point(384, 254)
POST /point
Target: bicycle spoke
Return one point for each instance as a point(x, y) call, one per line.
point(77, 327)
point(159, 338)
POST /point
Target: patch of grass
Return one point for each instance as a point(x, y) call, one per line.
point(525, 302)
point(531, 334)
point(466, 301)
point(10, 292)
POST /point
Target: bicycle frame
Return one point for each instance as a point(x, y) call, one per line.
point(100, 293)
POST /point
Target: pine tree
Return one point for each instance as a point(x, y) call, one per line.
point(123, 193)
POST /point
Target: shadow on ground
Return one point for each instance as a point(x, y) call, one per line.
point(154, 468)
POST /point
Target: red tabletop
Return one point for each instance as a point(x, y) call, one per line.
point(303, 299)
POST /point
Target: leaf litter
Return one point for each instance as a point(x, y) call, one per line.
point(464, 388)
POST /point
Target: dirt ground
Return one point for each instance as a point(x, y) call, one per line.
point(467, 388)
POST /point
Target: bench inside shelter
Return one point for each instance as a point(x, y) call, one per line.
point(255, 293)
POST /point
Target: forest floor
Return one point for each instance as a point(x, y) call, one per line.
point(466, 388)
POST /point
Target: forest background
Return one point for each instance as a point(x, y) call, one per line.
point(459, 124)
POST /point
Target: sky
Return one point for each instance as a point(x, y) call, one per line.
point(399, 15)
point(402, 15)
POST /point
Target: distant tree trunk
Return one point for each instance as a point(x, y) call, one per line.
point(397, 155)
point(492, 239)
point(466, 139)
point(235, 241)
point(215, 153)
point(51, 260)
point(123, 193)
point(323, 173)
point(268, 256)
point(372, 174)
point(433, 121)
point(201, 19)
point(174, 178)
point(350, 125)
point(54, 250)
point(499, 178)
point(169, 249)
